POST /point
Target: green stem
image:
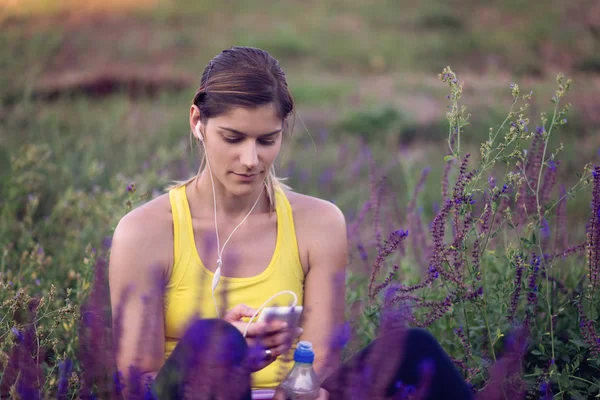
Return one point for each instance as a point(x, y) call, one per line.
point(539, 214)
point(583, 178)
point(583, 380)
point(489, 333)
point(458, 137)
point(466, 326)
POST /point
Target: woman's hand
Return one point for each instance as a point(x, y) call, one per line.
point(274, 336)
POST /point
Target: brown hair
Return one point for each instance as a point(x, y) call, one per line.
point(243, 77)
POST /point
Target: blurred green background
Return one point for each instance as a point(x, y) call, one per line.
point(107, 84)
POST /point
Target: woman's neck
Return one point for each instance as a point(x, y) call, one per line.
point(229, 205)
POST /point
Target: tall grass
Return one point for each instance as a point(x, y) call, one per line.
point(482, 262)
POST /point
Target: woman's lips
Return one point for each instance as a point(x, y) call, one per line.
point(246, 177)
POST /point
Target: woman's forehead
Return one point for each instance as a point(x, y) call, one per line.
point(251, 121)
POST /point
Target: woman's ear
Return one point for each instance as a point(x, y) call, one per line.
point(195, 121)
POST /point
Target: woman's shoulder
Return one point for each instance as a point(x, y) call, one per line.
point(148, 227)
point(310, 212)
point(155, 213)
point(320, 231)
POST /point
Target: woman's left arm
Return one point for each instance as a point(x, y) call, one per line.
point(324, 285)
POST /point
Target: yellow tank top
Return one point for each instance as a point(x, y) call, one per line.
point(188, 291)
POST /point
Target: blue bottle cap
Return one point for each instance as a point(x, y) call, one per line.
point(304, 352)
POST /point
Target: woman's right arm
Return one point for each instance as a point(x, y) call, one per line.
point(136, 273)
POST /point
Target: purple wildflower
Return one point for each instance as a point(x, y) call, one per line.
point(588, 331)
point(466, 344)
point(549, 181)
point(476, 259)
point(593, 233)
point(418, 188)
point(388, 247)
point(517, 288)
point(532, 295)
point(436, 312)
point(377, 199)
point(326, 177)
point(566, 252)
point(433, 272)
point(387, 281)
point(363, 253)
point(561, 221)
point(17, 334)
point(545, 231)
point(445, 179)
point(64, 372)
point(438, 227)
point(353, 229)
point(340, 337)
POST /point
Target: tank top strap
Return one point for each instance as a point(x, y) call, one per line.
point(289, 245)
point(183, 233)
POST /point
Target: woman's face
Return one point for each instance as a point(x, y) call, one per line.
point(241, 146)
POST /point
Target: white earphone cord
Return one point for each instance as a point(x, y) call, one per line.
point(217, 275)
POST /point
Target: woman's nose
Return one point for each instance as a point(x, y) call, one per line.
point(249, 156)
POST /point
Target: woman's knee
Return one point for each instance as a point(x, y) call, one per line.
point(214, 338)
point(421, 338)
point(207, 345)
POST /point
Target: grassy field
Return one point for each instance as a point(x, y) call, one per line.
point(95, 97)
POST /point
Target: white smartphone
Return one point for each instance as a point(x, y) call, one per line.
point(289, 314)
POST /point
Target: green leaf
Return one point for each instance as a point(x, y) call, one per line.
point(576, 394)
point(448, 158)
point(579, 343)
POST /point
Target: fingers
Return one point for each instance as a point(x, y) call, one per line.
point(280, 343)
point(252, 330)
point(261, 329)
point(281, 337)
point(238, 312)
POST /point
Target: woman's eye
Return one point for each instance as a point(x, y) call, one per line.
point(266, 142)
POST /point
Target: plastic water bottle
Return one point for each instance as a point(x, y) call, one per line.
point(302, 383)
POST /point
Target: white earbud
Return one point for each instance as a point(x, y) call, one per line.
point(216, 278)
point(199, 133)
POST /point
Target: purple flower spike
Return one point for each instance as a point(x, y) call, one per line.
point(18, 334)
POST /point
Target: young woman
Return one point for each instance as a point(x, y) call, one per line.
point(235, 229)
